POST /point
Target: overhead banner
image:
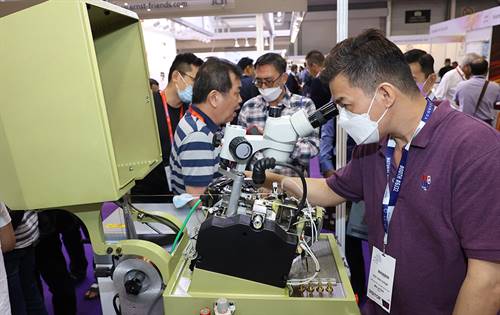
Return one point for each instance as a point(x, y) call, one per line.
point(461, 25)
point(176, 6)
point(495, 55)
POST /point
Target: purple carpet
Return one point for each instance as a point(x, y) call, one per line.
point(84, 307)
point(92, 307)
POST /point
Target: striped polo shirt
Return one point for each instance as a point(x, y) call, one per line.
point(194, 160)
point(27, 231)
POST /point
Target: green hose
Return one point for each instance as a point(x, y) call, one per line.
point(178, 236)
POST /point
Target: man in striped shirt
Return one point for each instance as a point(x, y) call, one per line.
point(276, 100)
point(216, 96)
point(25, 297)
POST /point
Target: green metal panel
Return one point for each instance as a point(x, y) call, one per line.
point(262, 305)
point(253, 298)
point(77, 124)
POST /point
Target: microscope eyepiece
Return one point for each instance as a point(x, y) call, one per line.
point(323, 114)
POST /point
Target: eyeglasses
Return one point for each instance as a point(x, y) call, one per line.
point(186, 74)
point(265, 82)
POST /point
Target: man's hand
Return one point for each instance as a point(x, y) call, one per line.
point(318, 191)
point(480, 292)
point(255, 130)
point(196, 192)
point(328, 173)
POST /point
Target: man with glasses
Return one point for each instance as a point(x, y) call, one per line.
point(276, 100)
point(170, 105)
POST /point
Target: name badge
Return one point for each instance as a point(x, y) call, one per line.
point(168, 173)
point(381, 279)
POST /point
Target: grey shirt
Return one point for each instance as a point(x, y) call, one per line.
point(467, 95)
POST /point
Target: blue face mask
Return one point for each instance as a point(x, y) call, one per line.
point(181, 200)
point(186, 95)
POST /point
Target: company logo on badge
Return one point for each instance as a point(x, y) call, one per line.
point(377, 259)
point(425, 182)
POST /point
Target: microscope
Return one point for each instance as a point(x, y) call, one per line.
point(74, 143)
point(244, 222)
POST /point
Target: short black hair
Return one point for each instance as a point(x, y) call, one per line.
point(293, 67)
point(278, 62)
point(368, 60)
point(479, 67)
point(244, 63)
point(214, 74)
point(153, 82)
point(183, 62)
point(315, 57)
point(425, 60)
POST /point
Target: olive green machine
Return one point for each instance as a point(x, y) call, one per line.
point(78, 127)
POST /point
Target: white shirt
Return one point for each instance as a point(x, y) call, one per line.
point(4, 289)
point(163, 83)
point(447, 86)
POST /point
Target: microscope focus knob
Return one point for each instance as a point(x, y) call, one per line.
point(240, 148)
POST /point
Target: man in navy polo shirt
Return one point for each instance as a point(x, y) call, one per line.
point(429, 178)
point(216, 96)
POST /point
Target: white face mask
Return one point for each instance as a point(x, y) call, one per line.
point(359, 126)
point(270, 94)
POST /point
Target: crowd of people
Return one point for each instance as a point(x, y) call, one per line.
point(442, 233)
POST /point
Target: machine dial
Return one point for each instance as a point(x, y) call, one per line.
point(240, 148)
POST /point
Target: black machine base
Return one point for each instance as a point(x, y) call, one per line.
point(231, 246)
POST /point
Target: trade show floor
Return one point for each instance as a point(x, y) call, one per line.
point(86, 307)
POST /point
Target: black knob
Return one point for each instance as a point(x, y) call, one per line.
point(134, 283)
point(240, 148)
point(217, 139)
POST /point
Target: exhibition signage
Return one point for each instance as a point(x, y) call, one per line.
point(176, 5)
point(417, 16)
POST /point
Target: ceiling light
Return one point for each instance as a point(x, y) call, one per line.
point(247, 44)
point(148, 9)
point(236, 44)
point(125, 4)
point(266, 42)
point(181, 6)
point(251, 26)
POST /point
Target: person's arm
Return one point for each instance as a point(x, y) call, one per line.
point(475, 208)
point(457, 95)
point(442, 87)
point(7, 238)
point(197, 163)
point(318, 191)
point(480, 291)
point(326, 149)
point(7, 235)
